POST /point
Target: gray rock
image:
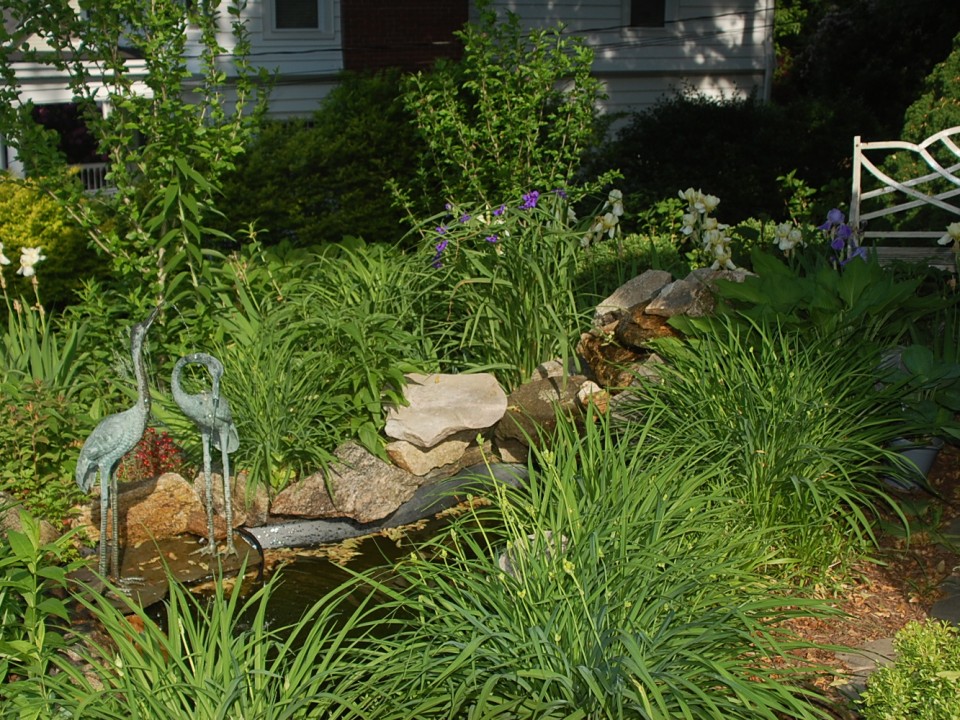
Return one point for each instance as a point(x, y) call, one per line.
point(439, 406)
point(362, 487)
point(640, 289)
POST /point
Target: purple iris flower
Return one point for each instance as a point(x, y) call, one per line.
point(530, 200)
point(858, 253)
point(834, 217)
point(837, 244)
point(844, 232)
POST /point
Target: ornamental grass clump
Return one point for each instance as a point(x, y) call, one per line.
point(607, 585)
point(790, 424)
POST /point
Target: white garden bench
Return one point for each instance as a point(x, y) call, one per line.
point(877, 195)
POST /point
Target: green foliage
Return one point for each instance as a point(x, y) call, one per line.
point(516, 113)
point(508, 276)
point(33, 616)
point(29, 218)
point(868, 92)
point(937, 107)
point(216, 658)
point(40, 433)
point(791, 421)
point(165, 155)
point(864, 300)
point(738, 154)
point(923, 682)
point(320, 180)
point(605, 586)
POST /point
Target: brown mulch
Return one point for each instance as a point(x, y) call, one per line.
point(901, 583)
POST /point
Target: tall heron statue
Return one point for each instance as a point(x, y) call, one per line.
point(111, 439)
point(211, 413)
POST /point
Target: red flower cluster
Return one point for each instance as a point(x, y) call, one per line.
point(155, 454)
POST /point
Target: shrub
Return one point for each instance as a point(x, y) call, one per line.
point(30, 218)
point(517, 112)
point(320, 180)
point(739, 153)
point(923, 683)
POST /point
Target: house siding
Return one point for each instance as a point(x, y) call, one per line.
point(718, 49)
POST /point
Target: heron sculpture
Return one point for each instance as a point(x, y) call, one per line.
point(111, 439)
point(211, 413)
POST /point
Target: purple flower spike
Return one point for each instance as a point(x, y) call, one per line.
point(441, 246)
point(530, 200)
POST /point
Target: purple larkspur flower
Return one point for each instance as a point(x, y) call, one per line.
point(441, 230)
point(491, 238)
point(561, 193)
point(448, 207)
point(442, 245)
point(530, 200)
point(500, 210)
point(465, 218)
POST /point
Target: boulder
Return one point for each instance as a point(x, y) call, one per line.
point(439, 406)
point(151, 509)
point(637, 328)
point(533, 406)
point(250, 513)
point(10, 520)
point(359, 486)
point(641, 289)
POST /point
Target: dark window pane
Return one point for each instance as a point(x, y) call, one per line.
point(647, 13)
point(297, 14)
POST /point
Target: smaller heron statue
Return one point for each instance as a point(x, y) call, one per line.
point(211, 413)
point(111, 439)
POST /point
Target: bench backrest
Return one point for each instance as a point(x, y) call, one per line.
point(875, 195)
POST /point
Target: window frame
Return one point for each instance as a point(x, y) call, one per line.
point(671, 13)
point(325, 31)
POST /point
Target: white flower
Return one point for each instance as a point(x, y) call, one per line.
point(689, 223)
point(710, 202)
point(28, 258)
point(787, 237)
point(4, 260)
point(609, 222)
point(952, 236)
point(571, 215)
point(721, 254)
point(614, 202)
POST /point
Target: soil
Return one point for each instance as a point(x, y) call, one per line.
point(901, 583)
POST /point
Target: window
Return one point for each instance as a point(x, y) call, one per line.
point(647, 13)
point(307, 19)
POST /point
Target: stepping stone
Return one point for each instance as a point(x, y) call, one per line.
point(863, 661)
